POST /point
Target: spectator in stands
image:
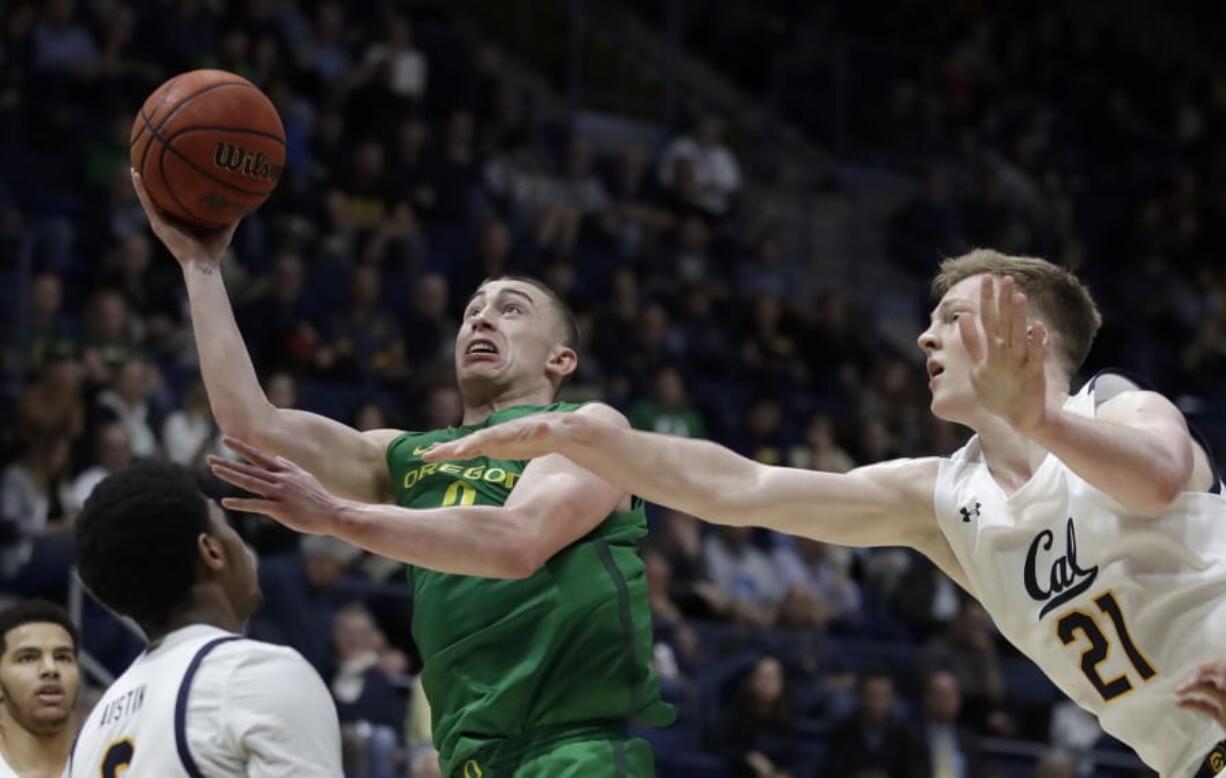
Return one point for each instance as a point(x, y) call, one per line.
point(968, 649)
point(668, 410)
point(275, 318)
point(34, 516)
point(952, 750)
point(50, 329)
point(755, 727)
point(300, 601)
point(819, 450)
point(717, 176)
point(111, 335)
point(399, 62)
point(768, 351)
point(189, 433)
point(150, 289)
point(112, 453)
point(443, 407)
point(63, 42)
point(767, 273)
point(51, 406)
point(875, 741)
point(411, 170)
point(365, 195)
point(745, 576)
point(633, 215)
point(365, 344)
point(679, 539)
point(822, 571)
point(127, 403)
point(763, 436)
point(370, 708)
point(458, 171)
point(427, 323)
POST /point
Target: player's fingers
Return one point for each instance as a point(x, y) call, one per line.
point(1198, 704)
point(249, 505)
point(1004, 311)
point(1206, 689)
point(256, 455)
point(242, 468)
point(1210, 672)
point(142, 195)
point(970, 338)
point(250, 483)
point(987, 311)
point(464, 448)
point(1018, 331)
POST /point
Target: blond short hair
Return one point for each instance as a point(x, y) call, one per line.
point(1056, 296)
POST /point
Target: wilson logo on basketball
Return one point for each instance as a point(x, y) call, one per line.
point(236, 159)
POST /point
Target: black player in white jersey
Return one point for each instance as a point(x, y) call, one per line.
point(201, 700)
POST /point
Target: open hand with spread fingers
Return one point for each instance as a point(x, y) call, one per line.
point(525, 438)
point(1204, 691)
point(283, 490)
point(1006, 355)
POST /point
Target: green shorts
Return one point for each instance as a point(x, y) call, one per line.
point(606, 757)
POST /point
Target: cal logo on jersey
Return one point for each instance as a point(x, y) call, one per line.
point(1065, 577)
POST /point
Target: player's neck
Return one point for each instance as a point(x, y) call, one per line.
point(1011, 457)
point(478, 411)
point(35, 756)
point(208, 608)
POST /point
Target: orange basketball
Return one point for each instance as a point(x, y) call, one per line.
point(209, 147)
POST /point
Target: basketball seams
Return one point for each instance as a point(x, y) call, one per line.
point(196, 176)
point(146, 118)
point(243, 130)
point(155, 132)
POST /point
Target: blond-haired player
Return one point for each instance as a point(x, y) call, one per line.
point(1089, 524)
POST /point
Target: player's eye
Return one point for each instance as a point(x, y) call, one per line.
point(512, 308)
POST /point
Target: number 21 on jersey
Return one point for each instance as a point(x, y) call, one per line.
point(1089, 624)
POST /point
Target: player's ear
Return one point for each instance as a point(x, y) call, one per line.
point(212, 555)
point(562, 362)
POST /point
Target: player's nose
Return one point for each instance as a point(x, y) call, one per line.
point(927, 341)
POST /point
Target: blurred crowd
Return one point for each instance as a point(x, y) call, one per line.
point(416, 168)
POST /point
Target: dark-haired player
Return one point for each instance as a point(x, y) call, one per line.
point(1089, 524)
point(200, 700)
point(530, 600)
point(38, 688)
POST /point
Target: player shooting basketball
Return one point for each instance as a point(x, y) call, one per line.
point(1088, 524)
point(530, 600)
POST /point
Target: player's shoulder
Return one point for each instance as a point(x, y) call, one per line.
point(602, 412)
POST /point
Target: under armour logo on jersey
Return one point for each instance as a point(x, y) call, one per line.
point(1066, 579)
point(970, 513)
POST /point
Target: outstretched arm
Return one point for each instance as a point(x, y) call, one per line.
point(884, 504)
point(347, 461)
point(553, 504)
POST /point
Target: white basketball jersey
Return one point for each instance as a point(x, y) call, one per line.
point(6, 771)
point(1116, 609)
point(205, 702)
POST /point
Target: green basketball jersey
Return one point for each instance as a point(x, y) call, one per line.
point(569, 646)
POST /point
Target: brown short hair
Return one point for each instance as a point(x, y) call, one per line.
point(1056, 296)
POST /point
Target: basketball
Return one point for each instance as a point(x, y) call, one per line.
point(209, 147)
